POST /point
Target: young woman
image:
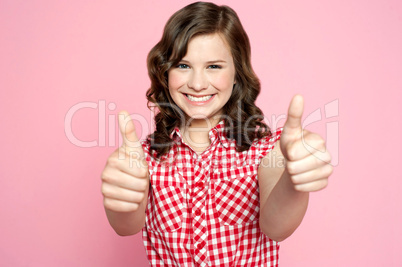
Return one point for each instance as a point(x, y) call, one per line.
point(212, 186)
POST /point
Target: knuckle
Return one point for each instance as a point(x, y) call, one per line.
point(128, 206)
point(321, 158)
point(300, 187)
point(104, 190)
point(291, 167)
point(315, 141)
point(113, 161)
point(144, 185)
point(328, 170)
point(105, 176)
point(107, 203)
point(143, 172)
point(321, 146)
point(319, 142)
point(329, 157)
point(134, 207)
point(107, 179)
point(141, 197)
point(291, 152)
point(307, 136)
point(140, 185)
point(294, 179)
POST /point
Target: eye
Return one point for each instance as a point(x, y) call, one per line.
point(214, 67)
point(182, 66)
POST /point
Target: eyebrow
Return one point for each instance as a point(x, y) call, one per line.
point(208, 62)
point(216, 61)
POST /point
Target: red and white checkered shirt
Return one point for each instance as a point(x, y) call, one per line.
point(203, 210)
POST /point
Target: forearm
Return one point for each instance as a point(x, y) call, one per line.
point(283, 210)
point(128, 223)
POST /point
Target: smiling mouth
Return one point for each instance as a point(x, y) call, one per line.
point(198, 99)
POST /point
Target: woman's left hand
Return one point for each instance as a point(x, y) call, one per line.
point(307, 159)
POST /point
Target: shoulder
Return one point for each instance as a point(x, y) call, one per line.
point(267, 143)
point(271, 166)
point(150, 154)
point(146, 145)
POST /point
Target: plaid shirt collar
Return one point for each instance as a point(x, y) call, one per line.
point(216, 132)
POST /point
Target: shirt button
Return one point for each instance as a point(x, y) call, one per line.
point(198, 212)
point(200, 185)
point(201, 245)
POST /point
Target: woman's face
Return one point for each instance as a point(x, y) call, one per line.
point(202, 82)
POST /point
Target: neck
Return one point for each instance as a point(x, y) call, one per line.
point(204, 124)
point(195, 133)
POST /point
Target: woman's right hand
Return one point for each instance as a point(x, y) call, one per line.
point(125, 178)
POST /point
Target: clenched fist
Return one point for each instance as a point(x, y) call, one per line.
point(307, 159)
point(125, 178)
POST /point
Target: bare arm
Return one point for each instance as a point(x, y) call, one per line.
point(282, 207)
point(298, 164)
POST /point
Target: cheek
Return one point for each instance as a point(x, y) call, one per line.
point(174, 80)
point(224, 81)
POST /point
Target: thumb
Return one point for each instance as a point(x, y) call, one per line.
point(127, 130)
point(293, 124)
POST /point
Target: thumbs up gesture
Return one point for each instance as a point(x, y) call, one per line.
point(307, 159)
point(125, 178)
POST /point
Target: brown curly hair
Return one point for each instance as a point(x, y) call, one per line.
point(240, 111)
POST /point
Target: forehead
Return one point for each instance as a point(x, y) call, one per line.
point(208, 46)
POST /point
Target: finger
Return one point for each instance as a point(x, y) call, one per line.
point(309, 143)
point(293, 123)
point(312, 186)
point(118, 193)
point(119, 206)
point(127, 130)
point(134, 165)
point(320, 173)
point(124, 180)
point(311, 162)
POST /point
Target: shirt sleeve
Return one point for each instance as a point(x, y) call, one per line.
point(266, 144)
point(146, 146)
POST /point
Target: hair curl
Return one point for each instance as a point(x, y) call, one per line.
point(240, 111)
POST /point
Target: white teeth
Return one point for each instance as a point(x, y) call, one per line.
point(199, 99)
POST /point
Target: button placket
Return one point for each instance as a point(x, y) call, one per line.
point(200, 192)
point(199, 223)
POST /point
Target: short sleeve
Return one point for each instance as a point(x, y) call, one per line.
point(266, 144)
point(146, 146)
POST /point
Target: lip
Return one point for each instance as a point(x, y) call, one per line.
point(198, 103)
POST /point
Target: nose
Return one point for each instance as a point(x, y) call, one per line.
point(198, 81)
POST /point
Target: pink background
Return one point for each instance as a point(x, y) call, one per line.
point(57, 54)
